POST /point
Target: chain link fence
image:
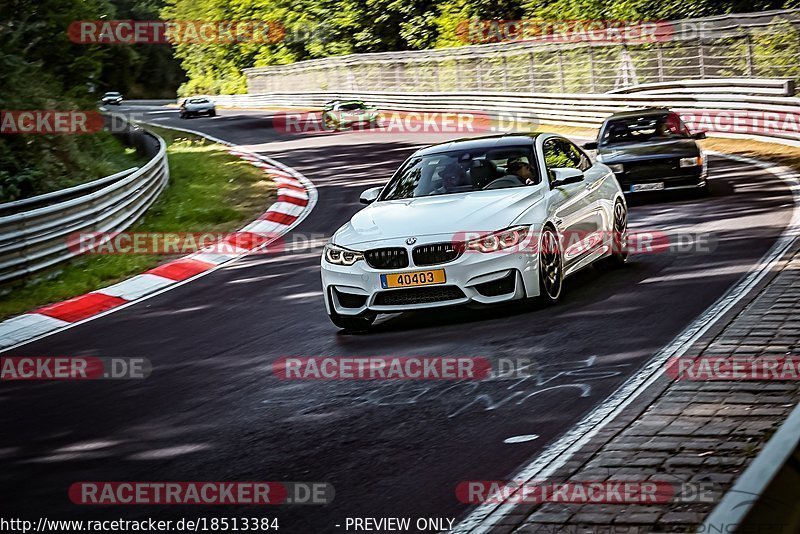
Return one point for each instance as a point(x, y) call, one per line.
point(753, 45)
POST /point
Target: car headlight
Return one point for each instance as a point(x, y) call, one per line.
point(497, 241)
point(692, 162)
point(341, 256)
point(617, 167)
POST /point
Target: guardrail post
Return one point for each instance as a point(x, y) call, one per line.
point(561, 71)
point(701, 58)
point(397, 77)
point(532, 71)
point(592, 82)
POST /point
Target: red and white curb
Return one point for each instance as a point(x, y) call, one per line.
point(296, 198)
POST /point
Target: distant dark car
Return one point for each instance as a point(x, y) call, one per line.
point(651, 150)
point(114, 98)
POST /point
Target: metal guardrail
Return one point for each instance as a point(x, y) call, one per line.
point(749, 45)
point(722, 111)
point(35, 232)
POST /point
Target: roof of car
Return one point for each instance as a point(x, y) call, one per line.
point(646, 112)
point(492, 141)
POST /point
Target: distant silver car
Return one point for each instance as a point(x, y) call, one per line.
point(113, 98)
point(197, 106)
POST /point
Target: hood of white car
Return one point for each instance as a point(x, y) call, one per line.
point(478, 211)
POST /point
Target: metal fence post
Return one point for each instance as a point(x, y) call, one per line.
point(701, 59)
point(660, 54)
point(751, 71)
point(561, 71)
point(592, 81)
point(532, 70)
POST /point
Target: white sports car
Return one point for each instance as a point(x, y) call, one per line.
point(481, 221)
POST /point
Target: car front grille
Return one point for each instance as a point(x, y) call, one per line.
point(418, 295)
point(435, 254)
point(387, 258)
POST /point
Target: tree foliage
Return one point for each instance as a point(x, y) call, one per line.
point(321, 28)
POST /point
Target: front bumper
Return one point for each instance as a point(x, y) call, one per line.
point(474, 277)
point(667, 172)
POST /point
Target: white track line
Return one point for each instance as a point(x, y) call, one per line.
point(486, 516)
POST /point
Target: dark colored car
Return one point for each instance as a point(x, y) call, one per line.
point(651, 150)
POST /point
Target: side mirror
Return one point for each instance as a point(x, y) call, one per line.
point(699, 135)
point(369, 196)
point(565, 175)
point(591, 145)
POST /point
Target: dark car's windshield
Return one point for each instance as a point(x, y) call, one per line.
point(112, 94)
point(463, 171)
point(198, 101)
point(645, 128)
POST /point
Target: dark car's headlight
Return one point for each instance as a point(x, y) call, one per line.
point(617, 168)
point(694, 161)
point(497, 241)
point(337, 255)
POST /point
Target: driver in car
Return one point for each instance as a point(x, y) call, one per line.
point(521, 168)
point(453, 175)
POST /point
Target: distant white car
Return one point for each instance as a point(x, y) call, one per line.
point(113, 98)
point(482, 221)
point(197, 106)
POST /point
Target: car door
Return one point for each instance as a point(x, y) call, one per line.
point(573, 207)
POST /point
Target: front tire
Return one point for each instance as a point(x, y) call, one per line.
point(212, 113)
point(619, 238)
point(353, 323)
point(551, 267)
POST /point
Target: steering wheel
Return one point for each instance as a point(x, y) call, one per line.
point(508, 180)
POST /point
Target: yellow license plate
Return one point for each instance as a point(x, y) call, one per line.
point(419, 278)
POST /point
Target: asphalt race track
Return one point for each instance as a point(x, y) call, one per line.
point(211, 409)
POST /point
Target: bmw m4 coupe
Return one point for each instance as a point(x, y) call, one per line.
point(482, 221)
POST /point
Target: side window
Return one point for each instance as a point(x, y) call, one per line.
point(579, 159)
point(562, 153)
point(554, 155)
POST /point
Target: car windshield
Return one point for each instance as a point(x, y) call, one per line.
point(645, 128)
point(462, 171)
point(352, 106)
point(112, 94)
point(198, 101)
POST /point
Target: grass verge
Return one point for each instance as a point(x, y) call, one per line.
point(209, 190)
